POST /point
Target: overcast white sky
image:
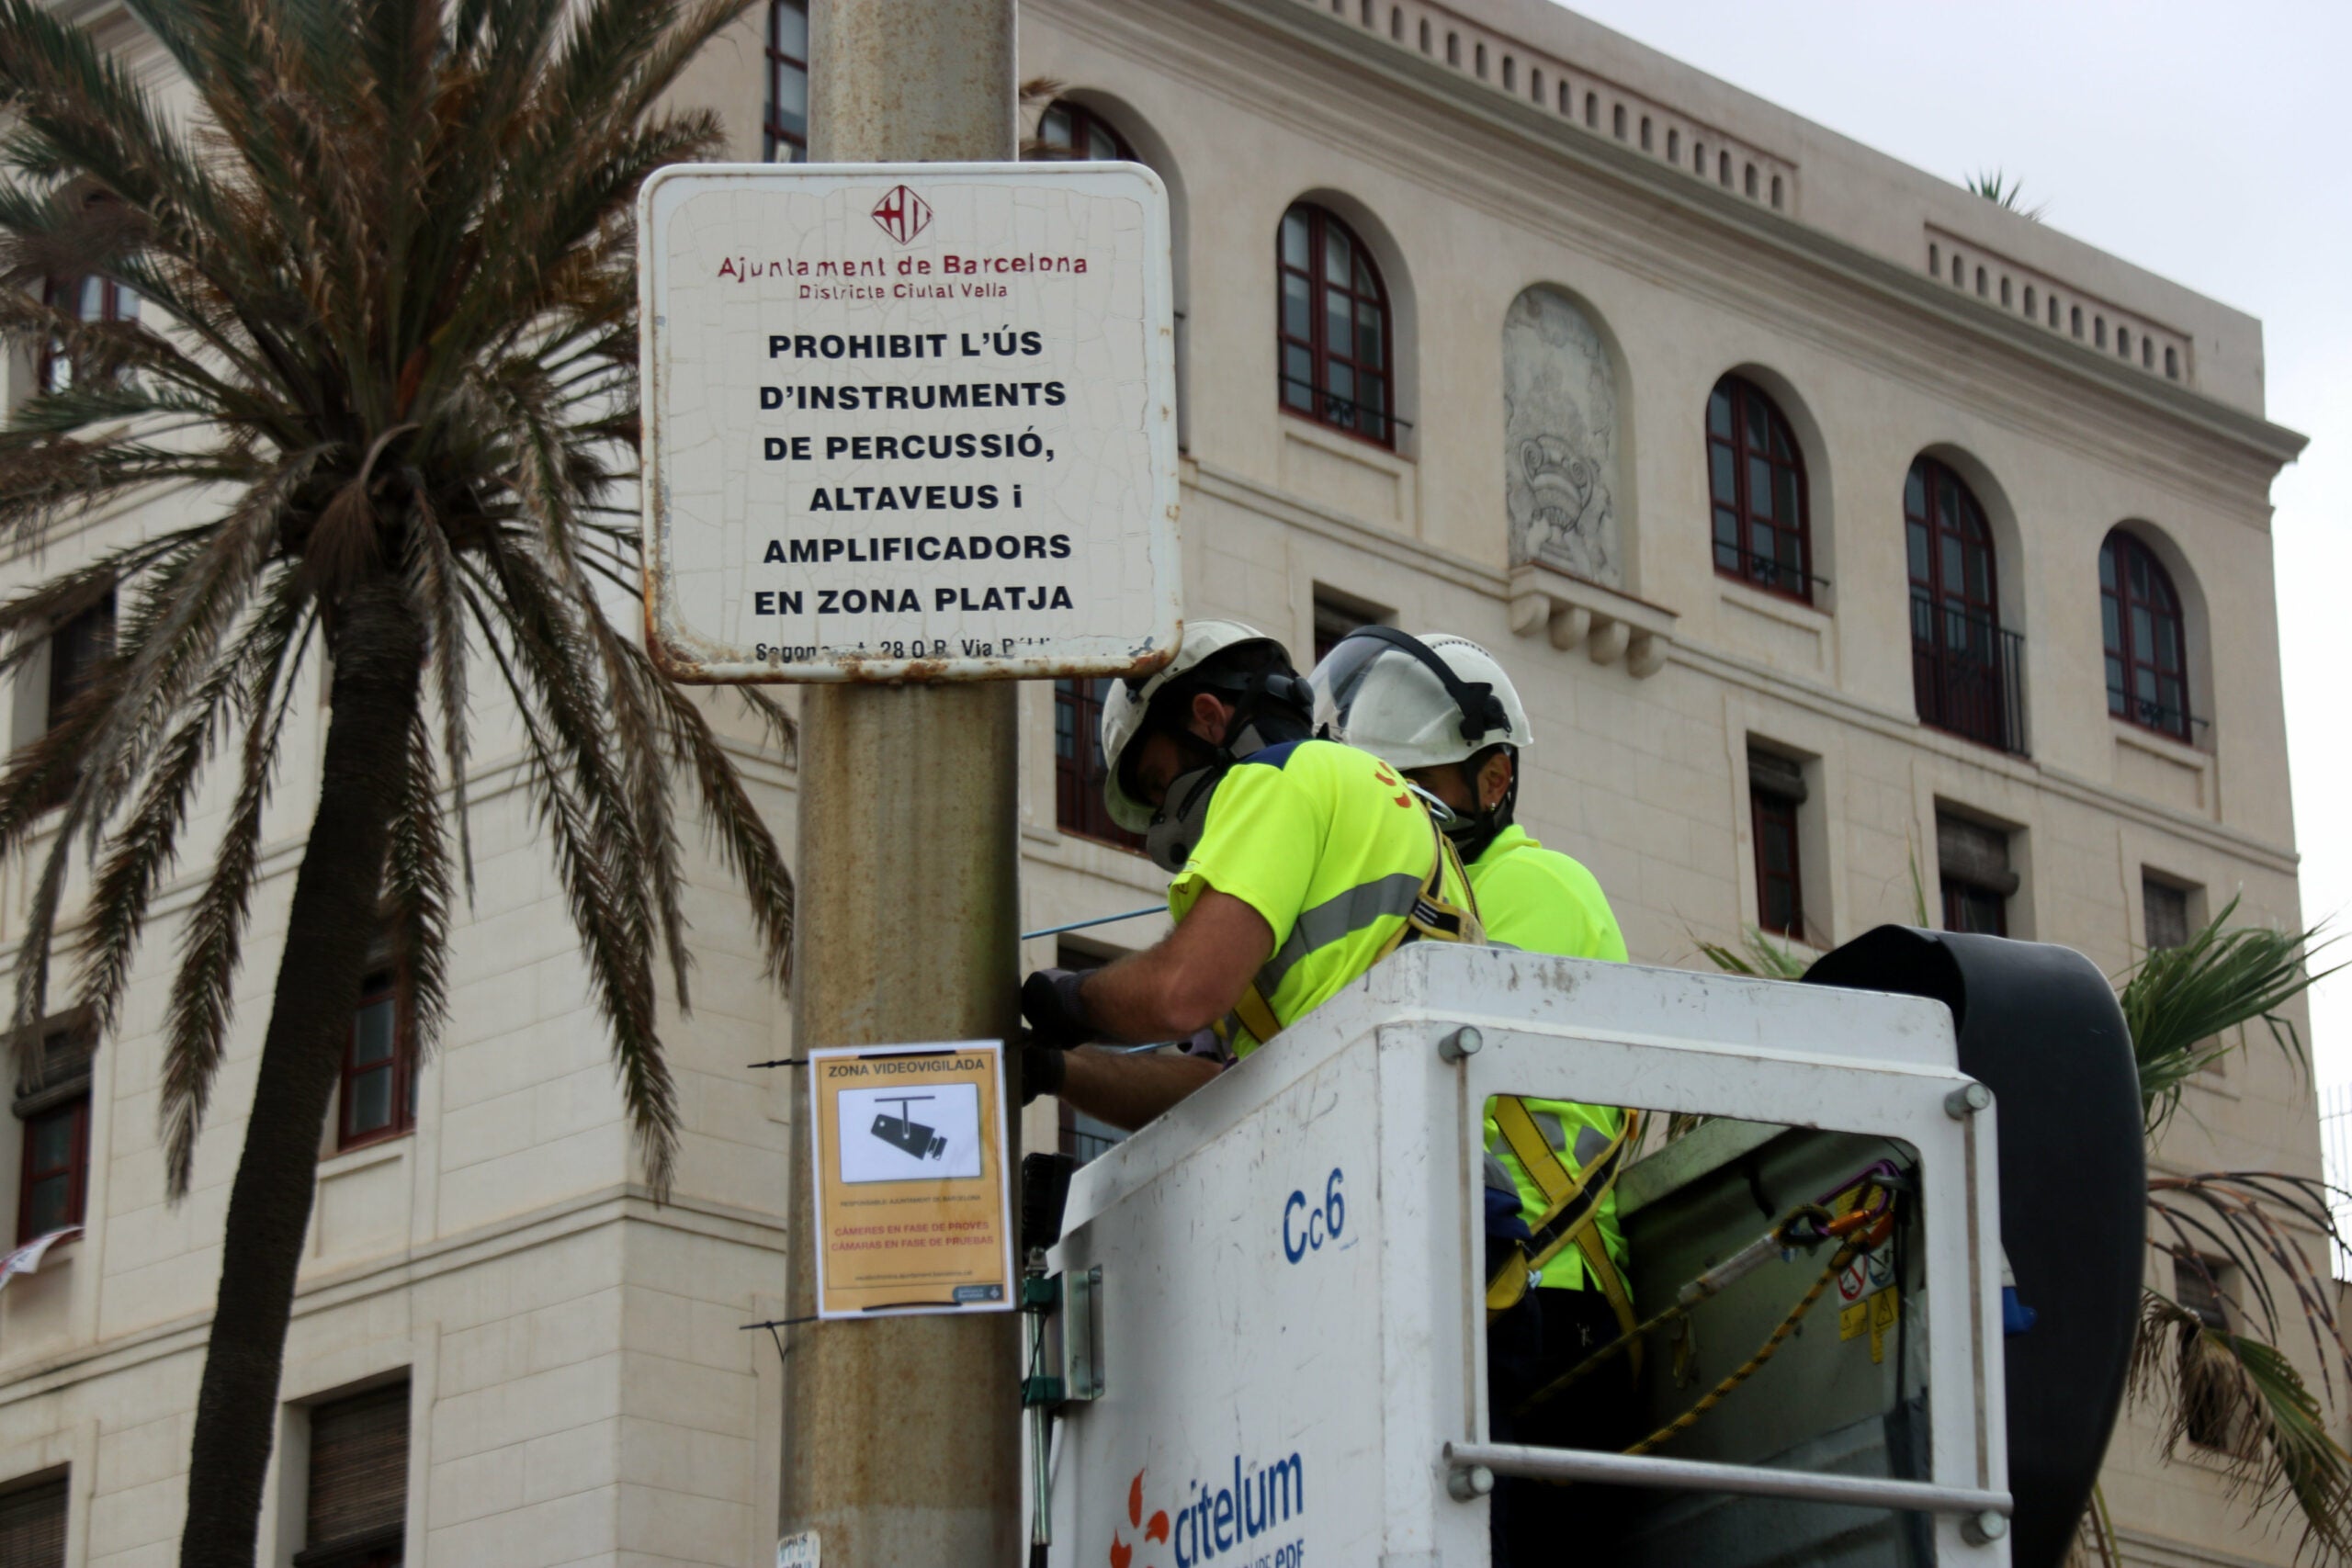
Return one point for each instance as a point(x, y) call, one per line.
point(2203, 141)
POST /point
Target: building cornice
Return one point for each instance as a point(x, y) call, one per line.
point(623, 1202)
point(1727, 223)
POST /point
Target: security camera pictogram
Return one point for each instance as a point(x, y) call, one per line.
point(902, 1133)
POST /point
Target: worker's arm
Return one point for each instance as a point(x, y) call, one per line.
point(1184, 982)
point(1128, 1091)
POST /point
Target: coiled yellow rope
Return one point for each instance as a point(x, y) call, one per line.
point(1708, 1284)
point(1749, 1368)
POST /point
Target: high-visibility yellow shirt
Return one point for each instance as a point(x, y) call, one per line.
point(1331, 846)
point(1541, 901)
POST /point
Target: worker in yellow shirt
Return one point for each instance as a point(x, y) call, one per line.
point(1442, 710)
point(1298, 865)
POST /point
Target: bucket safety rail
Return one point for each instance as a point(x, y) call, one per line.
point(1474, 1466)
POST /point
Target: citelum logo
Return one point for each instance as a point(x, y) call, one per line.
point(1219, 1519)
point(1122, 1554)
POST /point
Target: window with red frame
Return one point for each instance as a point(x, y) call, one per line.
point(1334, 328)
point(1964, 666)
point(786, 123)
point(1079, 769)
point(1779, 885)
point(86, 298)
point(2147, 652)
point(1755, 475)
point(378, 1095)
point(1073, 131)
point(55, 1180)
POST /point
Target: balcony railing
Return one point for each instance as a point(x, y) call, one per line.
point(1969, 674)
point(2161, 717)
point(1341, 413)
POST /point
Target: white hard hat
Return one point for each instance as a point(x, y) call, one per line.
point(1129, 702)
point(1416, 702)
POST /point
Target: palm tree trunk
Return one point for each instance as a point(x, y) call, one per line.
point(378, 647)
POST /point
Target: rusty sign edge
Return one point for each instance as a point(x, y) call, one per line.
point(675, 651)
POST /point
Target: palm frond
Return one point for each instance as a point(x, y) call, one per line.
point(2004, 191)
point(576, 801)
point(2237, 1215)
point(203, 991)
point(2181, 1002)
point(742, 834)
point(2241, 1402)
point(1757, 956)
point(386, 257)
point(145, 848)
point(417, 892)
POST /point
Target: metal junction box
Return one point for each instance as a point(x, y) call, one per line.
point(1289, 1322)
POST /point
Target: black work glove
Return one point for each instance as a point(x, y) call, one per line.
point(1043, 1070)
point(1049, 1001)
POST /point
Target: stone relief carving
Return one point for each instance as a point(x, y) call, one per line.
point(1560, 439)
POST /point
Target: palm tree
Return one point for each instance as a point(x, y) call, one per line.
point(2225, 1386)
point(384, 369)
point(2004, 191)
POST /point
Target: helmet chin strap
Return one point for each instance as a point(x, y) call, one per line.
point(1251, 733)
point(1473, 832)
point(1260, 718)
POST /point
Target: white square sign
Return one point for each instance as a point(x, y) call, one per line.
point(892, 1135)
point(908, 421)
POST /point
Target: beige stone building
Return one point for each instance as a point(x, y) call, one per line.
point(1781, 476)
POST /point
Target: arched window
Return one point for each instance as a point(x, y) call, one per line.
point(2147, 653)
point(1335, 360)
point(1073, 131)
point(786, 122)
point(1757, 477)
point(1964, 668)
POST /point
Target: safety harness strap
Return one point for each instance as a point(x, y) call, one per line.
point(1571, 1214)
point(1434, 917)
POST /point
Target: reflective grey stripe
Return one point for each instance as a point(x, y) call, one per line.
point(1338, 917)
point(1553, 1134)
point(1591, 1142)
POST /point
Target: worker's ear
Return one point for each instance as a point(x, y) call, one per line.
point(1494, 780)
point(1211, 716)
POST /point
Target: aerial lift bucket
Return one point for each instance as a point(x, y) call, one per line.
point(1271, 1345)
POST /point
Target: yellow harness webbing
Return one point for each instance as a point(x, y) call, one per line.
point(1434, 918)
point(1571, 1214)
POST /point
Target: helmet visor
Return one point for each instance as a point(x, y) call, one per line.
point(1340, 677)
